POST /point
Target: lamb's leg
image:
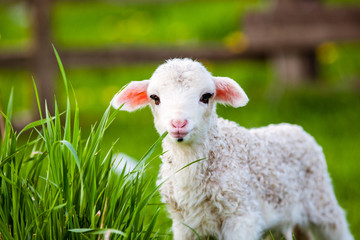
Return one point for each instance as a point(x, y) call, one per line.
point(247, 227)
point(331, 223)
point(334, 229)
point(288, 234)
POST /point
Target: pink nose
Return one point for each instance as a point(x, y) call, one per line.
point(178, 123)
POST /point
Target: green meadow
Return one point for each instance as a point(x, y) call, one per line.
point(59, 173)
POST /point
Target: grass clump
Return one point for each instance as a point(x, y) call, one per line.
point(59, 185)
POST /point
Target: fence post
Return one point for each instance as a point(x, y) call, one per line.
point(42, 55)
point(292, 67)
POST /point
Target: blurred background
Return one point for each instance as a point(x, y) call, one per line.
point(298, 61)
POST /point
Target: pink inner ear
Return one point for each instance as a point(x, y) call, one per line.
point(226, 93)
point(135, 98)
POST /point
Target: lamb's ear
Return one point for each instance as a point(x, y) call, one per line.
point(132, 96)
point(229, 92)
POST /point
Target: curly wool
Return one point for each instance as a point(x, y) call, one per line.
point(272, 177)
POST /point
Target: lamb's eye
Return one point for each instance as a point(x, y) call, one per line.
point(205, 97)
point(155, 98)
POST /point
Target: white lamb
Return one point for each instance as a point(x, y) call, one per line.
point(249, 181)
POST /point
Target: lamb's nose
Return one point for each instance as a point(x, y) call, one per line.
point(178, 123)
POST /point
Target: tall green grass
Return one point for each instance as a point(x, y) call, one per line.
point(59, 185)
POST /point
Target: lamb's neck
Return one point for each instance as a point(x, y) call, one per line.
point(179, 155)
point(185, 154)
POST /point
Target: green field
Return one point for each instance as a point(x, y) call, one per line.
point(328, 108)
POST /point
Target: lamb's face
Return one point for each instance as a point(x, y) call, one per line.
point(182, 100)
point(182, 95)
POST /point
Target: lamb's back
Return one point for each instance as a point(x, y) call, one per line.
point(287, 166)
point(282, 160)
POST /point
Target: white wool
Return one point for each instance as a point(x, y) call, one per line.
point(250, 180)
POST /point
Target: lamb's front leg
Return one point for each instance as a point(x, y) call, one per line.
point(246, 227)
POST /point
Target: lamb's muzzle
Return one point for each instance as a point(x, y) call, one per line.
point(178, 130)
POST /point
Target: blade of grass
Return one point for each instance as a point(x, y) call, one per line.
point(4, 231)
point(8, 126)
point(97, 231)
point(193, 230)
point(151, 225)
point(61, 67)
point(37, 100)
point(151, 150)
point(34, 125)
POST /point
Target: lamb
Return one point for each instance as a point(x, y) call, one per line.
point(247, 181)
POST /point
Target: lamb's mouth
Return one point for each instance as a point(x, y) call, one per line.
point(179, 135)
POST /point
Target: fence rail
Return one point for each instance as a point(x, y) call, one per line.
point(129, 56)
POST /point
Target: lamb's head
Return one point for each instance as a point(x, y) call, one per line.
point(182, 95)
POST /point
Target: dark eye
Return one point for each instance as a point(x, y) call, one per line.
point(155, 98)
point(205, 98)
